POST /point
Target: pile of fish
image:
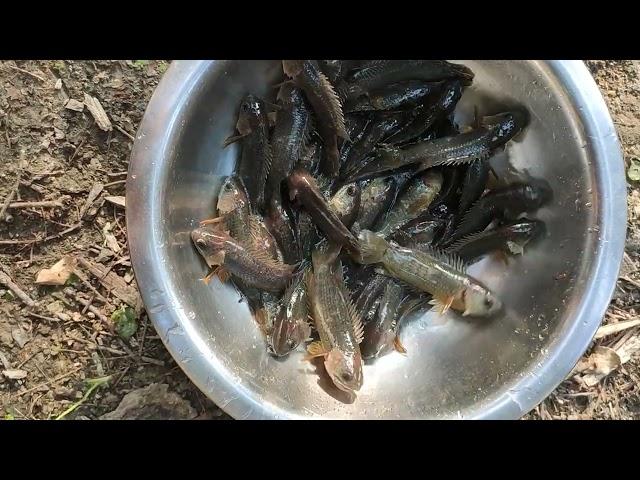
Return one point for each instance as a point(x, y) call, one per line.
point(357, 201)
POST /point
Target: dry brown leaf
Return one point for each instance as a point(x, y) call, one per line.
point(14, 374)
point(74, 105)
point(601, 362)
point(110, 238)
point(98, 113)
point(113, 282)
point(116, 200)
point(59, 273)
point(628, 348)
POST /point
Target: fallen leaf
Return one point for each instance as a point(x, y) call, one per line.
point(117, 200)
point(14, 374)
point(58, 84)
point(634, 170)
point(628, 348)
point(110, 238)
point(74, 105)
point(19, 336)
point(59, 273)
point(601, 362)
point(125, 321)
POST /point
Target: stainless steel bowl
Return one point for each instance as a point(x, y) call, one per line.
point(555, 295)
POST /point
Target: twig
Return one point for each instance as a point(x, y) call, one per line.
point(42, 317)
point(9, 197)
point(85, 280)
point(144, 334)
point(117, 182)
point(75, 152)
point(52, 381)
point(125, 133)
point(96, 189)
point(27, 72)
point(631, 281)
point(95, 311)
point(116, 174)
point(6, 280)
point(42, 204)
point(612, 328)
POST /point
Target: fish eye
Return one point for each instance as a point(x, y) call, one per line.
point(351, 190)
point(488, 302)
point(291, 343)
point(201, 242)
point(346, 376)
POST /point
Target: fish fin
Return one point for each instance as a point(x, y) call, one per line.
point(210, 221)
point(210, 275)
point(223, 274)
point(292, 68)
point(461, 242)
point(233, 139)
point(502, 257)
point(441, 303)
point(336, 105)
point(515, 248)
point(356, 320)
point(314, 350)
point(451, 259)
point(464, 161)
point(397, 345)
point(261, 318)
point(272, 117)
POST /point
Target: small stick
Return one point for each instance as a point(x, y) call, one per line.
point(116, 174)
point(117, 182)
point(42, 204)
point(53, 380)
point(95, 311)
point(631, 281)
point(612, 328)
point(42, 317)
point(28, 73)
point(6, 280)
point(7, 200)
point(125, 133)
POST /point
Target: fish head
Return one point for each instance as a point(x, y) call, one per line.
point(251, 110)
point(536, 193)
point(451, 94)
point(288, 334)
point(210, 243)
point(299, 179)
point(346, 202)
point(480, 302)
point(507, 125)
point(345, 370)
point(233, 196)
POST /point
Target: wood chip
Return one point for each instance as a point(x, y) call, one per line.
point(14, 374)
point(59, 273)
point(117, 200)
point(58, 85)
point(612, 328)
point(113, 282)
point(98, 113)
point(74, 105)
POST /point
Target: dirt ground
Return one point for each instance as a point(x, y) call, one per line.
point(62, 173)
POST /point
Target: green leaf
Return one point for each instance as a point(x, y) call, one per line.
point(125, 321)
point(9, 416)
point(634, 170)
point(140, 63)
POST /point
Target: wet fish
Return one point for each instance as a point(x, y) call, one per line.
point(336, 320)
point(380, 333)
point(508, 202)
point(385, 72)
point(510, 239)
point(376, 198)
point(289, 136)
point(280, 223)
point(437, 273)
point(424, 229)
point(346, 203)
point(477, 144)
point(304, 188)
point(368, 297)
point(311, 156)
point(291, 325)
point(306, 75)
point(253, 267)
point(256, 157)
point(473, 184)
point(415, 199)
point(393, 97)
point(429, 113)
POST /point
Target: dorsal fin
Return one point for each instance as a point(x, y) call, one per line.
point(466, 160)
point(458, 244)
point(450, 259)
point(335, 104)
point(356, 319)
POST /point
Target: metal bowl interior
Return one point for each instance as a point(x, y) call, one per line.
point(555, 294)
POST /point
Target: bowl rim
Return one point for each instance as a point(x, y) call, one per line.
point(152, 141)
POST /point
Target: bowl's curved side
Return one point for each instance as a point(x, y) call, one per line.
point(150, 164)
point(147, 168)
point(608, 166)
